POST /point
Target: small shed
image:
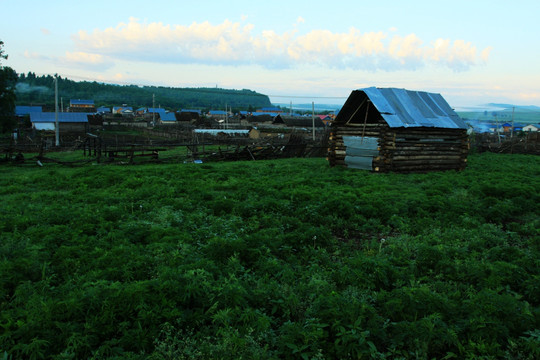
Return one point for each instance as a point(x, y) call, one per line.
point(389, 129)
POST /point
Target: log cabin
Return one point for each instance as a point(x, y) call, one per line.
point(398, 130)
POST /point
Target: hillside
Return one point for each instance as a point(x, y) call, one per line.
point(32, 89)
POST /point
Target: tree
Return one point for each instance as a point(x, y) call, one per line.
point(8, 80)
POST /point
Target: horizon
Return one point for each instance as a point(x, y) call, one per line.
point(472, 53)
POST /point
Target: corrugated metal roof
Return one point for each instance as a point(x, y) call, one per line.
point(81, 102)
point(168, 116)
point(48, 117)
point(406, 108)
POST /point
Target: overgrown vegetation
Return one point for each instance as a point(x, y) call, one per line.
point(269, 260)
point(32, 89)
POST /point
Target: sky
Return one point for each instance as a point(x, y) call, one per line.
point(472, 52)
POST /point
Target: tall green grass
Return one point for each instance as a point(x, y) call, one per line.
point(270, 259)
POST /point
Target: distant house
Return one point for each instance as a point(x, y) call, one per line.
point(123, 110)
point(103, 110)
point(506, 127)
point(156, 110)
point(518, 127)
point(217, 114)
point(68, 122)
point(167, 118)
point(189, 115)
point(78, 105)
point(531, 128)
point(261, 118)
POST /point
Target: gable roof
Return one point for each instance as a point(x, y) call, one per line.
point(403, 108)
point(167, 116)
point(293, 121)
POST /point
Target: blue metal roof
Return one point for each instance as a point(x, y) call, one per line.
point(45, 117)
point(217, 112)
point(167, 116)
point(156, 110)
point(25, 110)
point(404, 108)
point(263, 113)
point(81, 102)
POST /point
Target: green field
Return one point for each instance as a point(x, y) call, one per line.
point(281, 259)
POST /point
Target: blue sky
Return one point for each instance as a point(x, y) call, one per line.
point(472, 52)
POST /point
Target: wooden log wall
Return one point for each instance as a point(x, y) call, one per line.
point(405, 149)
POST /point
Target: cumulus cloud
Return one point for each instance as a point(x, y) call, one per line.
point(232, 43)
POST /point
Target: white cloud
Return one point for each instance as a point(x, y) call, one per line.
point(75, 59)
point(231, 43)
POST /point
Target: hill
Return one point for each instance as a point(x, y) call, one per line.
point(32, 89)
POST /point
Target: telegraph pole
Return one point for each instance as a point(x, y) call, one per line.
point(313, 118)
point(226, 117)
point(57, 131)
point(512, 130)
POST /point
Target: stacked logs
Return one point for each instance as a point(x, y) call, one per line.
point(417, 149)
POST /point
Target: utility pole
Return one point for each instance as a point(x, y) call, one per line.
point(497, 129)
point(57, 129)
point(512, 130)
point(313, 118)
point(226, 117)
point(153, 110)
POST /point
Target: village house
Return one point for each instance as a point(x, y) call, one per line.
point(78, 105)
point(67, 122)
point(531, 128)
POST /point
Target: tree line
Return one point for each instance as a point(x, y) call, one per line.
point(32, 89)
